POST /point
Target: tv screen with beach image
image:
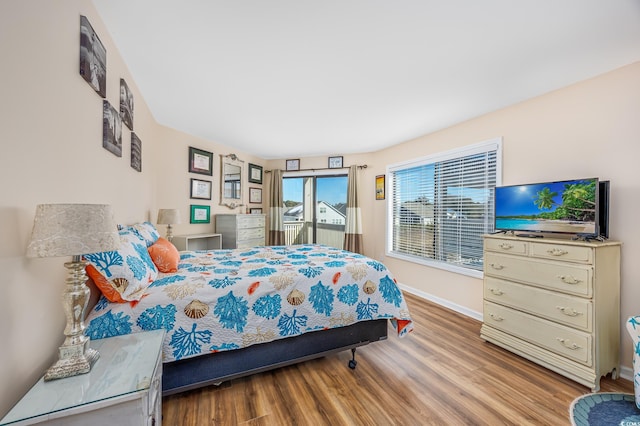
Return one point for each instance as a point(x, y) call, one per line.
point(566, 207)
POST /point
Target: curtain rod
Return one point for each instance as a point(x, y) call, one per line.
point(364, 166)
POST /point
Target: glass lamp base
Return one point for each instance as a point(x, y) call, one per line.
point(71, 365)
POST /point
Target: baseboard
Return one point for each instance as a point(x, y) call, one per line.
point(442, 302)
point(625, 372)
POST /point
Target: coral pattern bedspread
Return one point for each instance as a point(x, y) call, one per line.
point(228, 299)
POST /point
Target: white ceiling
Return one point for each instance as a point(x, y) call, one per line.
point(294, 78)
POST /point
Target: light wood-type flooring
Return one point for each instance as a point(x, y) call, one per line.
point(442, 374)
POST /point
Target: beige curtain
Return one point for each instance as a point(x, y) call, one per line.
point(276, 206)
point(353, 228)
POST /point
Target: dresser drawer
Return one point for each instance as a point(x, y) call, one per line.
point(250, 243)
point(506, 246)
point(562, 340)
point(566, 253)
point(250, 234)
point(565, 277)
point(573, 311)
point(250, 221)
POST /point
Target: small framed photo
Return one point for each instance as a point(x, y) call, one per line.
point(200, 214)
point(255, 195)
point(255, 173)
point(126, 104)
point(111, 129)
point(93, 58)
point(136, 152)
point(380, 187)
point(257, 210)
point(200, 161)
point(293, 165)
point(335, 162)
point(201, 189)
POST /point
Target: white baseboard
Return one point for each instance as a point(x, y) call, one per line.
point(625, 372)
point(442, 302)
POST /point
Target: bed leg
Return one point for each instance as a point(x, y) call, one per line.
point(352, 361)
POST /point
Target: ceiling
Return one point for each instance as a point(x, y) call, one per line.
point(296, 78)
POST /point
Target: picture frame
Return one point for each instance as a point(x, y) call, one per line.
point(93, 58)
point(111, 129)
point(292, 164)
point(335, 162)
point(255, 195)
point(200, 214)
point(255, 173)
point(136, 152)
point(200, 161)
point(380, 187)
point(255, 210)
point(126, 104)
point(200, 189)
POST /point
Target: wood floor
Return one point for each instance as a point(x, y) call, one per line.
point(441, 374)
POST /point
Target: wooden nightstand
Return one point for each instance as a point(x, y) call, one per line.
point(124, 387)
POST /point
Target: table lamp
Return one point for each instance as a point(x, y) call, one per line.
point(168, 217)
point(73, 230)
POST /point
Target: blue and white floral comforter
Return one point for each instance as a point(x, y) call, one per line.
point(228, 299)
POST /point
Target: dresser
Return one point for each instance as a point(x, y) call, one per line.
point(241, 230)
point(555, 302)
point(124, 387)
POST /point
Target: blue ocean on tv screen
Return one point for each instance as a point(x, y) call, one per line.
point(516, 224)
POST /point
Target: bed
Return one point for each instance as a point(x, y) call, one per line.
point(230, 313)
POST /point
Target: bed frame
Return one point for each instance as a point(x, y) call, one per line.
point(215, 368)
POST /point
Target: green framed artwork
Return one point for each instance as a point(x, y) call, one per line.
point(200, 214)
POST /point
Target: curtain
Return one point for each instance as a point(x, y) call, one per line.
point(353, 228)
point(276, 206)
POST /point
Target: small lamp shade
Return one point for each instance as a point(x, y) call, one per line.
point(72, 230)
point(168, 216)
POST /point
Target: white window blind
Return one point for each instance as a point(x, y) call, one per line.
point(441, 205)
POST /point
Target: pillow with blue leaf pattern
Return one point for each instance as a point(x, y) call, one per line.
point(124, 274)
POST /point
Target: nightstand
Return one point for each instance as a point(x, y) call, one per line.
point(197, 242)
point(124, 387)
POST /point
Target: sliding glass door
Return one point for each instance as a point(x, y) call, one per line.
point(315, 209)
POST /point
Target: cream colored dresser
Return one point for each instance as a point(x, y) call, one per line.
point(555, 302)
point(241, 230)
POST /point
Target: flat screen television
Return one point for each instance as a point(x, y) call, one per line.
point(578, 207)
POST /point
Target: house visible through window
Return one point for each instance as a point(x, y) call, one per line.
point(441, 205)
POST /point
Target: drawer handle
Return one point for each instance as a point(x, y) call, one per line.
point(570, 312)
point(496, 317)
point(496, 266)
point(568, 344)
point(496, 291)
point(506, 246)
point(557, 252)
point(569, 279)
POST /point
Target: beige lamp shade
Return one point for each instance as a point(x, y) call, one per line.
point(72, 230)
point(168, 216)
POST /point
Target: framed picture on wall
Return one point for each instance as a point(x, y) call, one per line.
point(201, 189)
point(111, 129)
point(200, 161)
point(255, 195)
point(93, 58)
point(335, 162)
point(292, 165)
point(200, 214)
point(136, 152)
point(380, 187)
point(255, 173)
point(126, 104)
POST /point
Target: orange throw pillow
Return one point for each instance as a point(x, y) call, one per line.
point(104, 285)
point(165, 255)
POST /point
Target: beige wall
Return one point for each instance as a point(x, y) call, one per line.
point(51, 141)
point(51, 152)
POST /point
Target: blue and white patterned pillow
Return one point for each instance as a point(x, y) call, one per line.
point(128, 270)
point(145, 230)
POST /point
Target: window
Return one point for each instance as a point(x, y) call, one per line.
point(441, 205)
